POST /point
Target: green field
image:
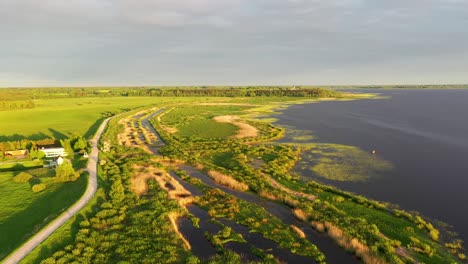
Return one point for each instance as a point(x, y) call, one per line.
point(20, 165)
point(61, 118)
point(23, 212)
point(197, 121)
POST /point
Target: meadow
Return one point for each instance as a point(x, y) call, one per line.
point(61, 118)
point(23, 212)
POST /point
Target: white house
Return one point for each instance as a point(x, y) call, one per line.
point(54, 152)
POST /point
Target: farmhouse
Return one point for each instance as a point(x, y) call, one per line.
point(54, 152)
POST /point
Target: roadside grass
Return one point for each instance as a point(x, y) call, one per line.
point(23, 212)
point(197, 121)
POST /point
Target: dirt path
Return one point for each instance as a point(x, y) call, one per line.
point(33, 242)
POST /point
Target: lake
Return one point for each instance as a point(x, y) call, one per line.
point(423, 133)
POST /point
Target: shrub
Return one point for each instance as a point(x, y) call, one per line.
point(339, 199)
point(65, 172)
point(22, 177)
point(228, 181)
point(38, 187)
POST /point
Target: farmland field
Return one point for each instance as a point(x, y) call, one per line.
point(61, 118)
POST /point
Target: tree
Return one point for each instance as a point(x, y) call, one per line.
point(66, 144)
point(65, 173)
point(80, 144)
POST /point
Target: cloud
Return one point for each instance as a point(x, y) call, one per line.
point(163, 41)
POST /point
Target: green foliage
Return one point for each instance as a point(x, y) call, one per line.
point(125, 228)
point(79, 144)
point(220, 204)
point(38, 187)
point(22, 177)
point(65, 172)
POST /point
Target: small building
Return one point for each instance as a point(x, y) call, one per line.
point(54, 162)
point(15, 153)
point(54, 152)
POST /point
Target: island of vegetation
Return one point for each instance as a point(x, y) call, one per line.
point(193, 175)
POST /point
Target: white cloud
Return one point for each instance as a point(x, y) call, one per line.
point(186, 40)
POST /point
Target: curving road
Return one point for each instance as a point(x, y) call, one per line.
point(33, 242)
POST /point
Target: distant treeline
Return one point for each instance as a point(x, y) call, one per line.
point(11, 94)
point(11, 105)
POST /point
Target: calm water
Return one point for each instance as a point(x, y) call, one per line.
point(424, 133)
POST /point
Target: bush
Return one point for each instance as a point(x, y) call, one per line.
point(22, 177)
point(65, 173)
point(38, 187)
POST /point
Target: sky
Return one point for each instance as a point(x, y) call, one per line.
point(232, 42)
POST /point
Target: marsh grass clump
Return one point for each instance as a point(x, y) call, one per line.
point(228, 181)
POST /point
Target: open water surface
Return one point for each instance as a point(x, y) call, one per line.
point(423, 133)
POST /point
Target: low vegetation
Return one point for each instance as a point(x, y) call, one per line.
point(134, 217)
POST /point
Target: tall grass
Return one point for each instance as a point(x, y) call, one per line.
point(228, 181)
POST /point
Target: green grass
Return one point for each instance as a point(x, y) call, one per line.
point(20, 165)
point(61, 118)
point(395, 228)
point(197, 121)
point(23, 212)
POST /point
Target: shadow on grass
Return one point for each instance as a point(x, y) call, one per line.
point(92, 129)
point(17, 228)
point(16, 137)
point(34, 181)
point(57, 134)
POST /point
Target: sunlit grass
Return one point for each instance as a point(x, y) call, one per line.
point(23, 212)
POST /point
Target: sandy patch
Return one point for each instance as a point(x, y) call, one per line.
point(173, 219)
point(298, 231)
point(245, 130)
point(173, 188)
point(171, 130)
